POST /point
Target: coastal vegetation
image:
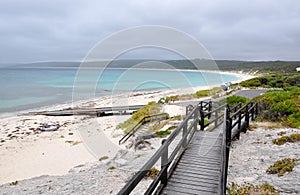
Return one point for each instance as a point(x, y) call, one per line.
point(152, 173)
point(14, 183)
point(282, 166)
point(198, 94)
point(234, 100)
point(111, 168)
point(284, 139)
point(283, 105)
point(273, 81)
point(163, 133)
point(282, 102)
point(223, 65)
point(150, 109)
point(103, 158)
point(246, 189)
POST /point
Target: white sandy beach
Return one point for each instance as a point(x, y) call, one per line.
point(26, 152)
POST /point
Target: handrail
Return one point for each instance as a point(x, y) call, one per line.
point(247, 112)
point(188, 128)
point(224, 152)
point(209, 114)
point(139, 124)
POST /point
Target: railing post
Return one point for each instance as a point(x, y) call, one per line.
point(209, 109)
point(196, 118)
point(256, 109)
point(184, 132)
point(252, 112)
point(201, 105)
point(246, 119)
point(239, 125)
point(216, 119)
point(164, 164)
point(201, 120)
point(228, 144)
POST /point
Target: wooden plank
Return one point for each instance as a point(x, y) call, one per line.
point(198, 167)
point(186, 189)
point(193, 177)
point(199, 170)
point(197, 184)
point(197, 162)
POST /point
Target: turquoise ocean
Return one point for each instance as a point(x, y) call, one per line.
point(29, 88)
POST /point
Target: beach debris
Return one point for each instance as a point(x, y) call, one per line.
point(50, 128)
point(73, 143)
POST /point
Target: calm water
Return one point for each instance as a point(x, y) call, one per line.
point(27, 88)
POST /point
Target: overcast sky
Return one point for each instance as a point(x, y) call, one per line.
point(51, 30)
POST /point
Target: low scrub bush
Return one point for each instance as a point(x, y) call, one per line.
point(234, 100)
point(284, 139)
point(274, 81)
point(282, 166)
point(163, 133)
point(153, 172)
point(281, 106)
point(247, 189)
point(150, 109)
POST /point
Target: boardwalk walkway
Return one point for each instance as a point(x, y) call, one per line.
point(198, 171)
point(198, 164)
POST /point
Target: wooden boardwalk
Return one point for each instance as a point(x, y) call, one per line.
point(198, 164)
point(199, 169)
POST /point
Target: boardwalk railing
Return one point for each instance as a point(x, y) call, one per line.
point(184, 132)
point(170, 156)
point(234, 124)
point(143, 121)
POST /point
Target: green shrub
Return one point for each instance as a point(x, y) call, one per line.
point(177, 117)
point(293, 120)
point(281, 133)
point(274, 81)
point(284, 139)
point(247, 189)
point(203, 93)
point(198, 94)
point(252, 83)
point(172, 98)
point(158, 126)
point(111, 168)
point(282, 166)
point(281, 106)
point(150, 109)
point(103, 158)
point(172, 127)
point(153, 172)
point(163, 133)
point(233, 100)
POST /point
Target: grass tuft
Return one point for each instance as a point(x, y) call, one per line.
point(153, 172)
point(284, 139)
point(282, 166)
point(247, 189)
point(103, 158)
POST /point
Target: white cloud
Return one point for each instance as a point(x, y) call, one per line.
point(65, 30)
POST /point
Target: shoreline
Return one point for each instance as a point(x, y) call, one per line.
point(27, 152)
point(63, 105)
